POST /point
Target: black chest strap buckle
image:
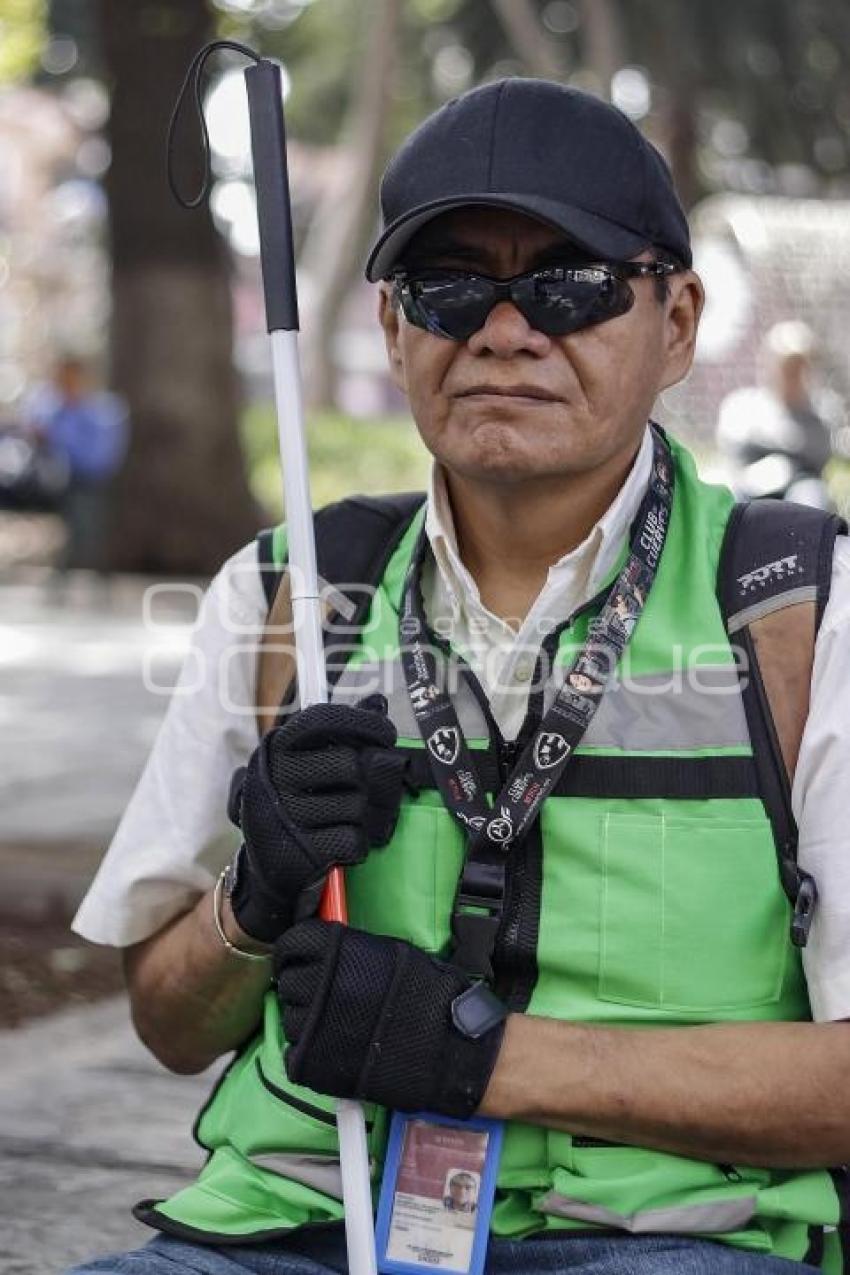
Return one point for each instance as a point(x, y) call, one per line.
point(477, 913)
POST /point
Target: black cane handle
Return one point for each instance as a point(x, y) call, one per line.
point(274, 212)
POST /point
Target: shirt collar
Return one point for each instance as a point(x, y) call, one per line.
point(596, 554)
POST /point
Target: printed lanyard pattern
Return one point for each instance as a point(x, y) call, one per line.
point(492, 831)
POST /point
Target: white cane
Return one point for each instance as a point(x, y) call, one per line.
point(268, 146)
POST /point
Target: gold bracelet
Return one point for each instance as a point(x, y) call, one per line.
point(231, 947)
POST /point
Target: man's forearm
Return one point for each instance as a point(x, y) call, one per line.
point(192, 999)
point(770, 1094)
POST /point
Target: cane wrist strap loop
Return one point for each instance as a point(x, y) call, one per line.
point(193, 81)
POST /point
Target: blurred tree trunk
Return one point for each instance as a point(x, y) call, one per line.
point(533, 46)
point(680, 143)
point(680, 74)
point(182, 501)
point(332, 255)
point(603, 41)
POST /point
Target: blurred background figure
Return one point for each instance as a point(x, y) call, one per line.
point(773, 433)
point(84, 428)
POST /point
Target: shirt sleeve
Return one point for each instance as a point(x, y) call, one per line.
point(819, 801)
point(175, 837)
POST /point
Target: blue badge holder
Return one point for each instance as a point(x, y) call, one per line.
point(437, 1194)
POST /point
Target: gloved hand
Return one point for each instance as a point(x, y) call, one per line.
point(318, 791)
point(377, 1019)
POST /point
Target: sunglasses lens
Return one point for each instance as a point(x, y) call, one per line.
point(561, 301)
point(453, 306)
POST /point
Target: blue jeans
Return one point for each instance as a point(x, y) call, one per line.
point(322, 1250)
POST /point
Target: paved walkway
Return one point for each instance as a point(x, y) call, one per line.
point(89, 1121)
point(79, 708)
point(89, 1124)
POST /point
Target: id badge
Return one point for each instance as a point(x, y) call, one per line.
point(437, 1194)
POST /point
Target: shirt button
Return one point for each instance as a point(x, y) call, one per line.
point(523, 671)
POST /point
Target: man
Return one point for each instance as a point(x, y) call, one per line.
point(462, 1193)
point(775, 433)
point(642, 1021)
point(86, 430)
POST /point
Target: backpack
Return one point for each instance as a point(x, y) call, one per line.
point(773, 584)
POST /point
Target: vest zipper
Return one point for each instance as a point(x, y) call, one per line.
point(515, 951)
point(730, 1173)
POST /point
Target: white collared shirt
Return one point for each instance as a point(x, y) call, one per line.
point(175, 836)
point(503, 657)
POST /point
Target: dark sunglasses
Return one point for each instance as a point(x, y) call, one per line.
point(554, 299)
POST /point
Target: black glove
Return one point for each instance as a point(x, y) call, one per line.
point(318, 791)
point(377, 1019)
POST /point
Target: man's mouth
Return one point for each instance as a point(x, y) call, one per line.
point(510, 391)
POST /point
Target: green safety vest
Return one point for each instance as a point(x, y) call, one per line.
point(648, 894)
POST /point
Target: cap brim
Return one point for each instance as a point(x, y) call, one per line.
point(590, 232)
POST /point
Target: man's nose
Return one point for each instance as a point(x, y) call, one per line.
point(507, 332)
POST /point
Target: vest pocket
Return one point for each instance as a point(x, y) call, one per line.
point(693, 918)
point(294, 1119)
point(300, 1122)
point(296, 1098)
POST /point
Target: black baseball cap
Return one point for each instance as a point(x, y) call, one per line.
point(539, 148)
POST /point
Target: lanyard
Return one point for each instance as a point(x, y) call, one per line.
point(491, 831)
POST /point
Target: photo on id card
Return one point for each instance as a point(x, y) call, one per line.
point(437, 1194)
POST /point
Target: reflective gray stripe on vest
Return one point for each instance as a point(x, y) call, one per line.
point(320, 1172)
point(689, 708)
point(713, 1218)
point(805, 593)
point(697, 707)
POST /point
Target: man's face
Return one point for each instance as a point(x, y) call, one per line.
point(462, 1193)
point(511, 404)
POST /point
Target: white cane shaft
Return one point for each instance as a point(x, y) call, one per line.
point(313, 689)
point(356, 1192)
point(306, 607)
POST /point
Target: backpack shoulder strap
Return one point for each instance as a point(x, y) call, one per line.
point(270, 572)
point(773, 585)
point(355, 539)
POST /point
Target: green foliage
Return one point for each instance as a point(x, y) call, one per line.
point(22, 27)
point(436, 10)
point(346, 456)
point(319, 49)
point(756, 86)
point(777, 68)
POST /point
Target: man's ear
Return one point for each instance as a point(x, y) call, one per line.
point(682, 311)
point(388, 317)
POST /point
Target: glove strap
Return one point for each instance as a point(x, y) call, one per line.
point(477, 1010)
